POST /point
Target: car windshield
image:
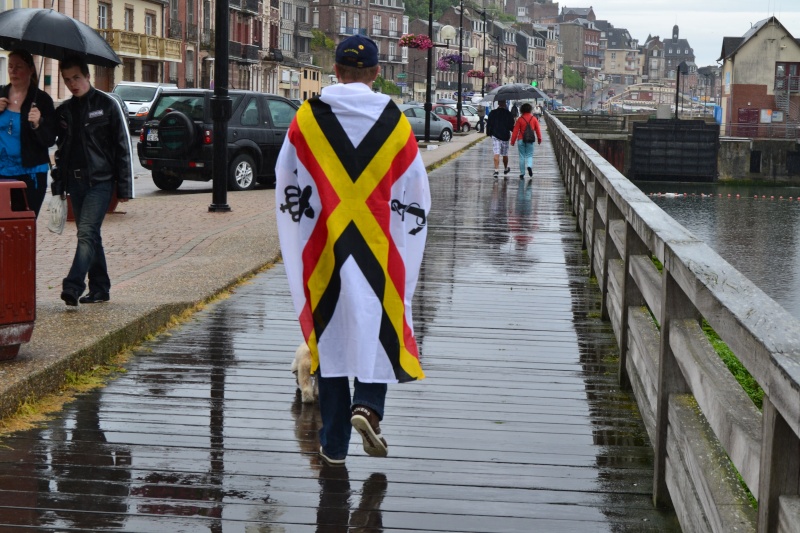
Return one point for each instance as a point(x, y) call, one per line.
point(135, 93)
point(190, 105)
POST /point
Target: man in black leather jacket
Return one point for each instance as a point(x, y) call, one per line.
point(93, 161)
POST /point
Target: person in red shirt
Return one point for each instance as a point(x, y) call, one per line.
point(525, 148)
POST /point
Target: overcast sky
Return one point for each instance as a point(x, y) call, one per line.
point(702, 22)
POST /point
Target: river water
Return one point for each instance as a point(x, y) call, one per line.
point(759, 237)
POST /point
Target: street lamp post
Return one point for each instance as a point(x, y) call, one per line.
point(428, 106)
point(483, 62)
point(460, 57)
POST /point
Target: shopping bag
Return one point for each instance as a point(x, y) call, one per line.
point(58, 213)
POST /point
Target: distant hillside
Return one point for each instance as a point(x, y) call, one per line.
point(418, 9)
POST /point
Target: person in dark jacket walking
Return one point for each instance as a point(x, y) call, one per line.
point(93, 160)
point(498, 127)
point(27, 128)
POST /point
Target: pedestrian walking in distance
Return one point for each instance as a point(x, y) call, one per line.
point(526, 132)
point(353, 203)
point(93, 160)
point(498, 127)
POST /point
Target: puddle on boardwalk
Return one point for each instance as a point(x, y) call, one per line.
point(519, 426)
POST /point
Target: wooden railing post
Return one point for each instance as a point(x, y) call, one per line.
point(779, 472)
point(631, 297)
point(675, 305)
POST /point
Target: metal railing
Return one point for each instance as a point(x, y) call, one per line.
point(778, 130)
point(347, 30)
point(250, 5)
point(790, 82)
point(235, 49)
point(175, 29)
point(703, 426)
point(250, 52)
point(207, 39)
point(191, 32)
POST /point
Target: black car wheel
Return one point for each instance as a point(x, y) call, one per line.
point(446, 136)
point(242, 175)
point(165, 182)
point(176, 133)
point(465, 128)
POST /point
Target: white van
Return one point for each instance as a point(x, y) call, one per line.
point(139, 96)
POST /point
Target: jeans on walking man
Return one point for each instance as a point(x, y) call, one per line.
point(93, 160)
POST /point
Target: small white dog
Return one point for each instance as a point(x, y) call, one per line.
point(301, 367)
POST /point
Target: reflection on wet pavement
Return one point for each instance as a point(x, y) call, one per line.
point(519, 426)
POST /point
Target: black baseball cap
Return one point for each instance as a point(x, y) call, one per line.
point(357, 51)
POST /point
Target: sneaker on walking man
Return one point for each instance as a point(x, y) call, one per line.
point(498, 127)
point(354, 199)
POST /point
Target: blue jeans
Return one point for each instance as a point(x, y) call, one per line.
point(89, 204)
point(335, 408)
point(525, 156)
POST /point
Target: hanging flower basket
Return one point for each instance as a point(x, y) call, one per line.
point(446, 62)
point(491, 85)
point(471, 73)
point(420, 41)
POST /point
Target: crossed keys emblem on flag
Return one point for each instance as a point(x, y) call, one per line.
point(413, 210)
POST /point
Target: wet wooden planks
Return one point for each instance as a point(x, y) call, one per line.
point(519, 426)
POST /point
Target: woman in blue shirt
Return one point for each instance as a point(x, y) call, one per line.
point(27, 128)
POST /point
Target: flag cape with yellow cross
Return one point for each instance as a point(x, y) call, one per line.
point(352, 221)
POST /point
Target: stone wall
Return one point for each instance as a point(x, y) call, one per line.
point(768, 160)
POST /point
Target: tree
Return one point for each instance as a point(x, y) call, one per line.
point(385, 86)
point(418, 9)
point(573, 78)
point(323, 49)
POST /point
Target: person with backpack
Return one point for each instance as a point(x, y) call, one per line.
point(527, 132)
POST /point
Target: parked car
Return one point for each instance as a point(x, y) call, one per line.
point(566, 109)
point(440, 128)
point(139, 97)
point(449, 114)
point(177, 139)
point(123, 105)
point(468, 111)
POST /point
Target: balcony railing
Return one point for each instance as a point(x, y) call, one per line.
point(347, 30)
point(175, 29)
point(384, 32)
point(141, 46)
point(235, 3)
point(275, 54)
point(251, 6)
point(235, 50)
point(191, 32)
point(207, 39)
point(302, 26)
point(304, 57)
point(250, 52)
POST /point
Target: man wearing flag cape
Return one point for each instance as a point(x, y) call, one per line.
point(353, 203)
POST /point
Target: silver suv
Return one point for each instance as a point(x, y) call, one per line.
point(139, 97)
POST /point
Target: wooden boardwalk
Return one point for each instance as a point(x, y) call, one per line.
point(520, 426)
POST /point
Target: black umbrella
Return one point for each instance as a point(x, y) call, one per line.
point(515, 91)
point(48, 33)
